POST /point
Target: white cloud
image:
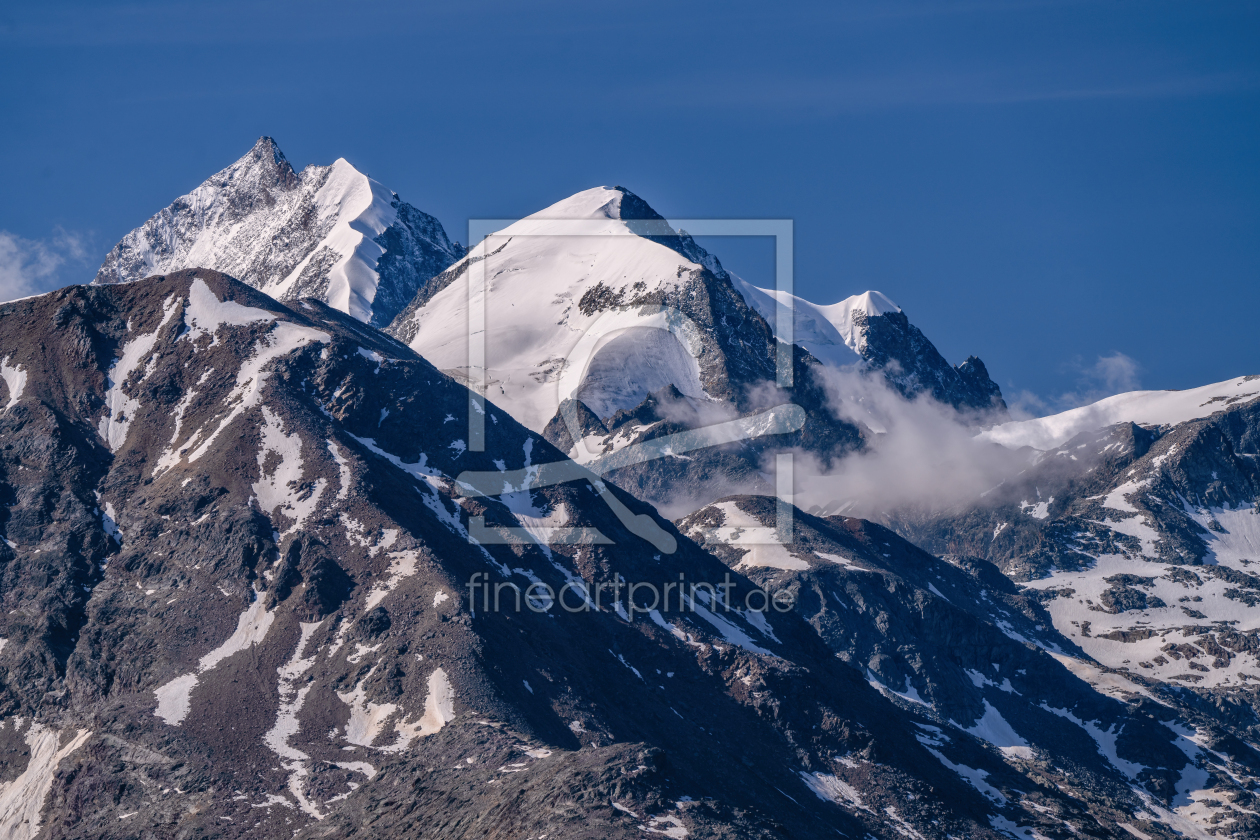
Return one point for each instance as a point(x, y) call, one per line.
point(921, 455)
point(1117, 372)
point(1107, 376)
point(33, 266)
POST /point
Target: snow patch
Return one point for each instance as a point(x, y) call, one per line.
point(402, 565)
point(994, 729)
point(978, 779)
point(343, 471)
point(175, 697)
point(204, 313)
point(911, 693)
point(15, 379)
point(439, 710)
point(283, 489)
point(761, 548)
point(22, 800)
point(829, 788)
point(283, 339)
point(287, 725)
point(669, 826)
point(368, 719)
point(120, 408)
point(1104, 738)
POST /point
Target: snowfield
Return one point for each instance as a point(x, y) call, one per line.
point(1145, 408)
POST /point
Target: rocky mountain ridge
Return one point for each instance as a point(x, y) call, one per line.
point(236, 558)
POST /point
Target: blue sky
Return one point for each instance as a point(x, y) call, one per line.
point(1070, 190)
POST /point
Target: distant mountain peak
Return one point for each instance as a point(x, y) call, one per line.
point(267, 147)
point(330, 232)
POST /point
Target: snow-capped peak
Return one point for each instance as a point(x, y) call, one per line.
point(358, 210)
point(605, 211)
point(322, 233)
point(566, 276)
point(849, 316)
point(868, 303)
point(595, 203)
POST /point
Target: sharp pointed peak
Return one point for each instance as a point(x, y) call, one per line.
point(631, 207)
point(266, 147)
point(266, 159)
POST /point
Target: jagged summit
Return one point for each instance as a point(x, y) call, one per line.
point(329, 232)
point(871, 331)
point(263, 166)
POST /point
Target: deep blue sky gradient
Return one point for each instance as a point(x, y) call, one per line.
point(1038, 183)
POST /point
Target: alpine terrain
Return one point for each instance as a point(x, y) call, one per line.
point(316, 525)
point(606, 329)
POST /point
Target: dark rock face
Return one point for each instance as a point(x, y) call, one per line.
point(416, 250)
point(236, 569)
point(913, 365)
point(976, 389)
point(260, 221)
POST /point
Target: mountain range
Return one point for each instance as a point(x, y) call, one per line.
point(263, 577)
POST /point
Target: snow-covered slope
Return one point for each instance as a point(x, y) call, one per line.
point(329, 232)
point(834, 334)
point(571, 310)
point(1145, 408)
